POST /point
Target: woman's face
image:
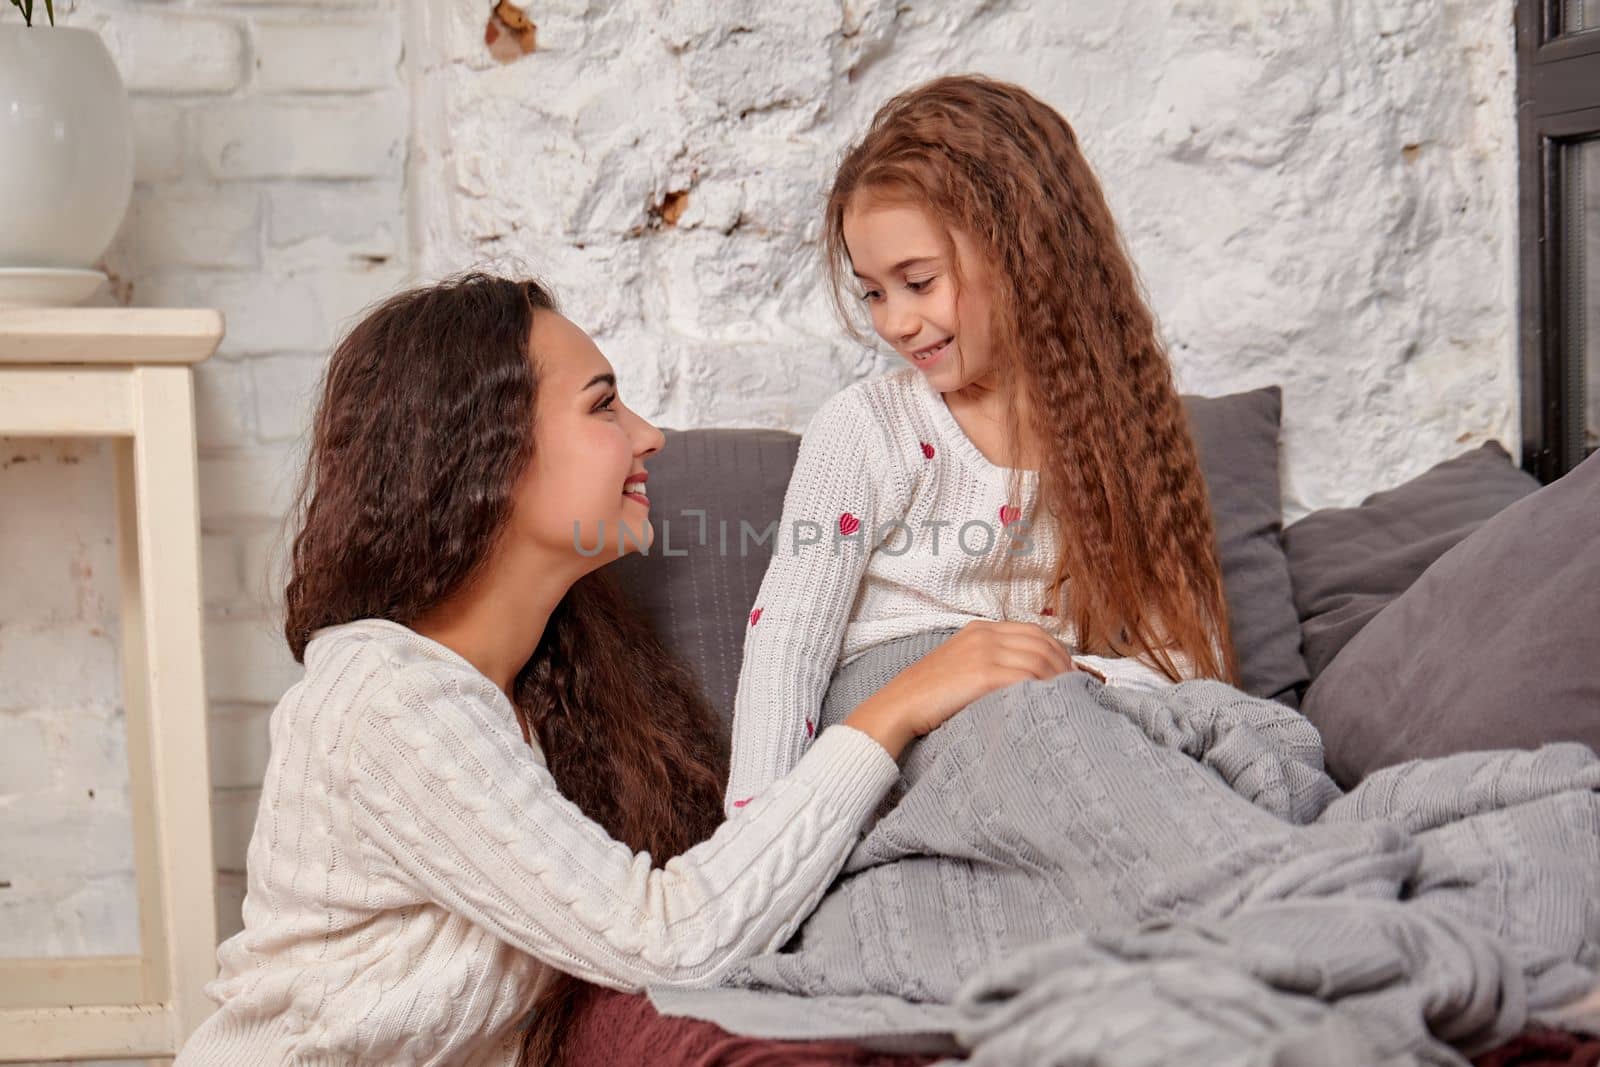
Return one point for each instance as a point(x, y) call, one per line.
point(904, 275)
point(583, 494)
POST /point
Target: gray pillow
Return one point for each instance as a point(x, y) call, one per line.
point(697, 594)
point(1492, 647)
point(699, 601)
point(1237, 439)
point(1348, 564)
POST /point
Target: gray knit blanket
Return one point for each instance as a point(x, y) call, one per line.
point(1071, 873)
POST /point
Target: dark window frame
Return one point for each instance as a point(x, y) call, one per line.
point(1558, 102)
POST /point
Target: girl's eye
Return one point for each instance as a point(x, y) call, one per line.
point(605, 405)
point(917, 287)
point(869, 295)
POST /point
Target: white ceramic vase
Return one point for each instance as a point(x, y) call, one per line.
point(66, 149)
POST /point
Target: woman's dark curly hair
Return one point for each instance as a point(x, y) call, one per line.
point(425, 423)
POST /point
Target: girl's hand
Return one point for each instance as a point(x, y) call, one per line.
point(981, 657)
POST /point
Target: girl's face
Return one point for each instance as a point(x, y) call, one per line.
point(900, 261)
point(583, 491)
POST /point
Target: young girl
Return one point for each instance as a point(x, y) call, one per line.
point(482, 718)
point(1032, 460)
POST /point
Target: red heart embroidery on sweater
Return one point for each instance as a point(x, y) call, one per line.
point(742, 803)
point(1009, 514)
point(1047, 611)
point(927, 450)
point(810, 729)
point(848, 524)
point(755, 616)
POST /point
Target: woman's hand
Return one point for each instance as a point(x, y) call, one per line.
point(981, 657)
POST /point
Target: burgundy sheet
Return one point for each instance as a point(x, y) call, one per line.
point(614, 1028)
point(620, 1028)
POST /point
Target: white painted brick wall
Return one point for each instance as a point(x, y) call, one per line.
point(343, 56)
point(286, 395)
point(157, 141)
point(324, 138)
point(66, 855)
point(1320, 196)
point(270, 147)
point(211, 228)
point(1316, 195)
point(171, 53)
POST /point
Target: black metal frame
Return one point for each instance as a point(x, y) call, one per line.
point(1558, 102)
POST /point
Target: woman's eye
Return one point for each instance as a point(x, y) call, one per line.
point(917, 287)
point(605, 405)
point(869, 295)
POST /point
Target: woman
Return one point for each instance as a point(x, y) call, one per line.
point(422, 862)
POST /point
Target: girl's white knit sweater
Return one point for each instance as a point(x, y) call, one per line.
point(894, 523)
point(414, 870)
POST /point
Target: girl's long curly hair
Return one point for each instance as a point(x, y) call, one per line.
point(1119, 473)
point(425, 422)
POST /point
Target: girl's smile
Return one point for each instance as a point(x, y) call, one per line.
point(927, 357)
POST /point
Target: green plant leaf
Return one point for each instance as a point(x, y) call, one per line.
point(27, 19)
point(50, 9)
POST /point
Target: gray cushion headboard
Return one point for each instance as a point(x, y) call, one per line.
point(701, 577)
point(698, 601)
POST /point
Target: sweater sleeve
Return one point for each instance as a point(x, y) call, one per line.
point(453, 802)
point(843, 488)
point(1130, 672)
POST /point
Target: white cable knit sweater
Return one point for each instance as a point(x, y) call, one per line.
point(843, 579)
point(414, 868)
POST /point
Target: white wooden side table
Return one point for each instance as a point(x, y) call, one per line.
point(125, 373)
